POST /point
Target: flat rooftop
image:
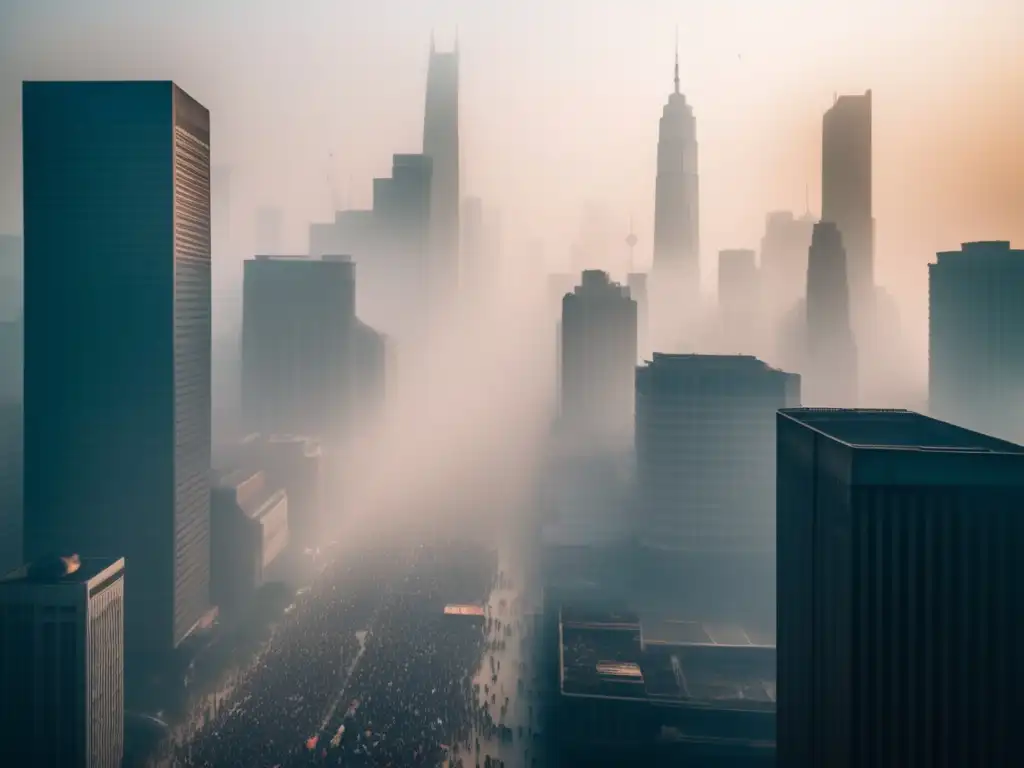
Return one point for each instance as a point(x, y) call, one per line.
point(896, 430)
point(691, 663)
point(69, 569)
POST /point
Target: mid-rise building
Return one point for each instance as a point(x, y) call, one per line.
point(830, 372)
point(117, 341)
point(249, 532)
point(61, 663)
point(705, 432)
point(976, 338)
point(598, 358)
point(899, 592)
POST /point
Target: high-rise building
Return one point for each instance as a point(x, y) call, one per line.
point(784, 249)
point(298, 365)
point(846, 192)
point(676, 203)
point(899, 592)
point(441, 145)
point(739, 300)
point(831, 364)
point(62, 663)
point(117, 341)
point(598, 358)
point(398, 291)
point(976, 338)
point(637, 284)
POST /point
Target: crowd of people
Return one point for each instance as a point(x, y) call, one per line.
point(398, 693)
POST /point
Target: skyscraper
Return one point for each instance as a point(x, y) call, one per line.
point(441, 145)
point(976, 338)
point(298, 358)
point(117, 341)
point(637, 284)
point(831, 366)
point(899, 592)
point(846, 193)
point(784, 260)
point(62, 663)
point(598, 352)
point(676, 209)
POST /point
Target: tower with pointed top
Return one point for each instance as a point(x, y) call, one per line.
point(676, 268)
point(441, 144)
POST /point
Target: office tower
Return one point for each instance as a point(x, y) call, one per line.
point(676, 210)
point(398, 290)
point(598, 358)
point(784, 249)
point(899, 592)
point(846, 192)
point(831, 366)
point(249, 531)
point(637, 284)
point(62, 663)
point(976, 338)
point(297, 359)
point(739, 300)
point(270, 231)
point(441, 145)
point(117, 341)
point(474, 246)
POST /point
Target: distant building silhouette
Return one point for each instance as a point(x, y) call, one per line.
point(846, 193)
point(784, 249)
point(899, 592)
point(676, 202)
point(976, 338)
point(598, 358)
point(739, 300)
point(249, 531)
point(705, 427)
point(831, 364)
point(301, 369)
point(270, 231)
point(117, 338)
point(441, 145)
point(62, 663)
point(637, 284)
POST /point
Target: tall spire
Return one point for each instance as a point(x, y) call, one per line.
point(677, 61)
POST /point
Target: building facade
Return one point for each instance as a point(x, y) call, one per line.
point(705, 431)
point(118, 339)
point(846, 198)
point(61, 664)
point(899, 591)
point(976, 338)
point(598, 358)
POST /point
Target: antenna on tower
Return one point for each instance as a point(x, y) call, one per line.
point(677, 60)
point(807, 200)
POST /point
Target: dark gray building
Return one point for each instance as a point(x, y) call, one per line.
point(705, 476)
point(830, 368)
point(976, 338)
point(298, 363)
point(62, 663)
point(598, 349)
point(117, 341)
point(899, 592)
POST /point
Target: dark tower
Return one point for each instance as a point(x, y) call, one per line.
point(831, 350)
point(676, 211)
point(441, 144)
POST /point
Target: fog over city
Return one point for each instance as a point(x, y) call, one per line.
point(570, 261)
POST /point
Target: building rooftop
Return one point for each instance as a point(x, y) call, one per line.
point(62, 569)
point(708, 363)
point(671, 632)
point(896, 429)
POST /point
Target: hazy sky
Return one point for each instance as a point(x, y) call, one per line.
point(561, 99)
